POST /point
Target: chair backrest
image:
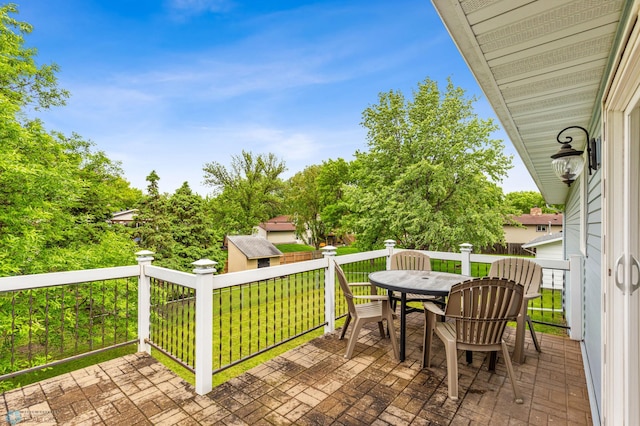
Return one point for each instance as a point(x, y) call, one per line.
point(411, 260)
point(523, 271)
point(482, 307)
point(342, 279)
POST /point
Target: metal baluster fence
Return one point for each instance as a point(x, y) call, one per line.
point(47, 325)
point(251, 318)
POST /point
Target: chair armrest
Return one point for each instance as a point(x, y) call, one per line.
point(359, 284)
point(374, 289)
point(372, 297)
point(432, 307)
point(531, 296)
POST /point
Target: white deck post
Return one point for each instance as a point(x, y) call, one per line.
point(466, 249)
point(144, 257)
point(329, 253)
point(204, 269)
point(389, 244)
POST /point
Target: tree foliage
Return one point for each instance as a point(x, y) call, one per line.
point(248, 193)
point(55, 197)
point(523, 201)
point(194, 234)
point(303, 204)
point(22, 81)
point(333, 179)
point(429, 178)
point(55, 192)
point(178, 228)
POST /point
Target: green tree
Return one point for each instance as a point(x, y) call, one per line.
point(303, 204)
point(523, 201)
point(333, 178)
point(22, 81)
point(248, 193)
point(154, 225)
point(428, 179)
point(178, 228)
point(50, 218)
point(192, 229)
point(55, 192)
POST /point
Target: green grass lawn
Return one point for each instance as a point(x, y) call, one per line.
point(292, 248)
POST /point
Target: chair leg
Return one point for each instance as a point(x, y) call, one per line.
point(355, 332)
point(452, 369)
point(381, 328)
point(429, 320)
point(392, 334)
point(507, 361)
point(533, 334)
point(518, 352)
point(345, 326)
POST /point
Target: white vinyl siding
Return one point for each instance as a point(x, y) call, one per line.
point(572, 229)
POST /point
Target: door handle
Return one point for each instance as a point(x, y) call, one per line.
point(635, 265)
point(616, 273)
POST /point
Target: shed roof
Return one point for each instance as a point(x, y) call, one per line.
point(254, 247)
point(545, 239)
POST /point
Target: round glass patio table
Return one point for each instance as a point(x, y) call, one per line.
point(429, 283)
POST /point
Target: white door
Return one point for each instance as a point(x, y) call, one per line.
point(622, 251)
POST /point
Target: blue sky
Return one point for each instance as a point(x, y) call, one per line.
point(170, 85)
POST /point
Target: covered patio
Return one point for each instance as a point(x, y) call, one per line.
point(314, 384)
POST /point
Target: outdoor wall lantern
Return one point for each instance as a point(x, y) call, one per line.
point(567, 162)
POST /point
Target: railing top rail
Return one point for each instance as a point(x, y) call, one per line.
point(490, 258)
point(545, 263)
point(356, 257)
point(170, 275)
point(24, 282)
point(242, 277)
point(440, 255)
point(52, 279)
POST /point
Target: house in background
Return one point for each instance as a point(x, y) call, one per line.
point(279, 230)
point(125, 217)
point(568, 71)
point(251, 252)
point(534, 224)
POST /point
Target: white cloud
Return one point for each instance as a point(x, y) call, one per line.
point(186, 8)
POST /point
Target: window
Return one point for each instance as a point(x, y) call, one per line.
point(263, 263)
point(541, 228)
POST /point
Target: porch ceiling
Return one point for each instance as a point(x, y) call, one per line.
point(541, 65)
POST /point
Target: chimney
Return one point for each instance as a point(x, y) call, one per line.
point(536, 211)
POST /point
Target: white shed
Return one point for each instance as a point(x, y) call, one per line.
point(549, 247)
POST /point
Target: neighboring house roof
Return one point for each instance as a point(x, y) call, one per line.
point(123, 216)
point(539, 219)
point(545, 239)
point(254, 247)
point(278, 224)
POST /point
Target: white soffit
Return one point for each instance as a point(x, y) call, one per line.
point(541, 65)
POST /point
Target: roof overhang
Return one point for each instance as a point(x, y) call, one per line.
point(542, 66)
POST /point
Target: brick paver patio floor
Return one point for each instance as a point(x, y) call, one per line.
point(314, 385)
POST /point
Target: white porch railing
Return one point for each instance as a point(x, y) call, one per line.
point(192, 317)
